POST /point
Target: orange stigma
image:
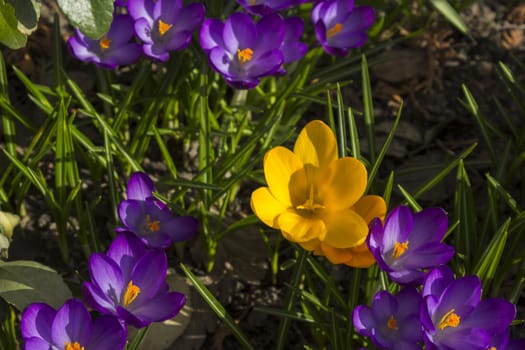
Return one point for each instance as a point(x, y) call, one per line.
point(73, 346)
point(104, 43)
point(244, 55)
point(152, 226)
point(450, 319)
point(399, 249)
point(309, 207)
point(132, 292)
point(392, 324)
point(334, 30)
point(164, 27)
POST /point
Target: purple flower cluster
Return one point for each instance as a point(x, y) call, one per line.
point(110, 51)
point(162, 26)
point(70, 327)
point(447, 313)
point(127, 284)
point(241, 49)
point(149, 218)
point(407, 243)
point(244, 51)
point(340, 26)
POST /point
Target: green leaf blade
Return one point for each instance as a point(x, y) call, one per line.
point(10, 35)
point(92, 17)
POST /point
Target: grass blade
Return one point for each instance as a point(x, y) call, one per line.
point(490, 260)
point(217, 307)
point(439, 177)
point(384, 149)
point(450, 14)
point(368, 111)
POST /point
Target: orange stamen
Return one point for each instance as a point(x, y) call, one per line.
point(334, 30)
point(73, 346)
point(399, 249)
point(131, 294)
point(152, 226)
point(164, 27)
point(244, 55)
point(310, 205)
point(392, 324)
point(450, 319)
point(104, 43)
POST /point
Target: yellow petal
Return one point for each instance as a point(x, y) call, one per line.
point(336, 255)
point(342, 183)
point(312, 245)
point(344, 229)
point(279, 165)
point(298, 187)
point(297, 228)
point(266, 207)
point(316, 144)
point(370, 207)
point(361, 257)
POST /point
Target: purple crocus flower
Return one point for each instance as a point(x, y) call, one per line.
point(340, 26)
point(112, 50)
point(165, 25)
point(409, 243)
point(292, 48)
point(243, 51)
point(453, 317)
point(69, 328)
point(393, 321)
point(129, 282)
point(265, 7)
point(151, 219)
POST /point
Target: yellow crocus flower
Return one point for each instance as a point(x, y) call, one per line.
point(316, 198)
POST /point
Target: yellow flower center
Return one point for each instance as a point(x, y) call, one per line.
point(131, 294)
point(450, 319)
point(164, 27)
point(493, 348)
point(392, 324)
point(244, 55)
point(73, 346)
point(152, 226)
point(104, 43)
point(399, 249)
point(310, 206)
point(334, 30)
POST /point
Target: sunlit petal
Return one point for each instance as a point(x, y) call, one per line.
point(313, 245)
point(344, 229)
point(336, 255)
point(316, 144)
point(342, 183)
point(361, 257)
point(266, 207)
point(279, 165)
point(370, 207)
point(297, 228)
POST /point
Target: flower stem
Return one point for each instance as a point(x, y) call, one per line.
point(290, 298)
